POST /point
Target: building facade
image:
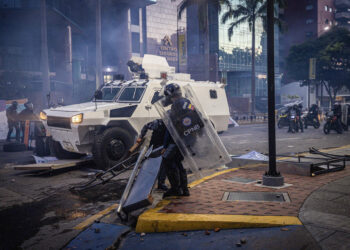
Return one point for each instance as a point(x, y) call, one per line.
point(342, 15)
point(305, 19)
point(212, 55)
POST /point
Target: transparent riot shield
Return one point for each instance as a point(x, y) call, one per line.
point(193, 132)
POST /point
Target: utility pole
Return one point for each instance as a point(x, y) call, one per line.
point(272, 177)
point(44, 56)
point(99, 81)
point(69, 60)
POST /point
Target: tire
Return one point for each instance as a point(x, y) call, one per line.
point(326, 128)
point(279, 124)
point(339, 129)
point(57, 150)
point(316, 124)
point(111, 147)
point(14, 147)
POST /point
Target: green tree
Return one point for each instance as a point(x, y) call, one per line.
point(249, 11)
point(332, 53)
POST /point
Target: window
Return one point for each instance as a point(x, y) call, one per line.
point(134, 16)
point(326, 7)
point(135, 42)
point(131, 94)
point(330, 9)
point(213, 94)
point(310, 20)
point(108, 93)
point(309, 34)
point(327, 21)
point(155, 97)
point(309, 7)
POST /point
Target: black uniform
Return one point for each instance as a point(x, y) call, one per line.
point(337, 112)
point(172, 159)
point(158, 131)
point(300, 123)
point(12, 121)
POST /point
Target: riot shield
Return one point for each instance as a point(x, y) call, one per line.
point(193, 132)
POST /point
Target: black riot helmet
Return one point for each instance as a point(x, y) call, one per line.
point(15, 104)
point(172, 90)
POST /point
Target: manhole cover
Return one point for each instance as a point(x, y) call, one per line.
point(240, 180)
point(256, 196)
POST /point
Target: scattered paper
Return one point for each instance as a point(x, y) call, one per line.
point(45, 159)
point(253, 155)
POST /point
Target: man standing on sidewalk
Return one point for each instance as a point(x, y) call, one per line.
point(12, 121)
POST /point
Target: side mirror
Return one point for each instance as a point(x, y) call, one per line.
point(98, 94)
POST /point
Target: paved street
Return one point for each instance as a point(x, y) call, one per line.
point(40, 211)
point(239, 140)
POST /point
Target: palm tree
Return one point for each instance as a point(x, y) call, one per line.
point(249, 11)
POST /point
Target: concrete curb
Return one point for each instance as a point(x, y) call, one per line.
point(153, 222)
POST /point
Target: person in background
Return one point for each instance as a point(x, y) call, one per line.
point(12, 121)
point(26, 114)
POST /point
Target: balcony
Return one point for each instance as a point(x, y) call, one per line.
point(342, 15)
point(342, 3)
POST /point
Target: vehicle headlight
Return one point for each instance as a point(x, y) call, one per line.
point(77, 119)
point(43, 116)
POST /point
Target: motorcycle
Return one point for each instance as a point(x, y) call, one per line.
point(311, 120)
point(293, 121)
point(332, 122)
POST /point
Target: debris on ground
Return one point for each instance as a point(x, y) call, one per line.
point(243, 241)
point(97, 230)
point(238, 244)
point(207, 232)
point(217, 229)
point(143, 234)
point(184, 234)
point(284, 229)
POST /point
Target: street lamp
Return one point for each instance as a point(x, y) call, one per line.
point(272, 177)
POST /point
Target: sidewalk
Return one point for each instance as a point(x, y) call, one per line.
point(207, 208)
point(309, 212)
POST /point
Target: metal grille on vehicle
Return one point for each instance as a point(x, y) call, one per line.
point(59, 122)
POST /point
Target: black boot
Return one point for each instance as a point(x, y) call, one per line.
point(174, 179)
point(183, 180)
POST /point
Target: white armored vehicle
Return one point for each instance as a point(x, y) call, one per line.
point(108, 126)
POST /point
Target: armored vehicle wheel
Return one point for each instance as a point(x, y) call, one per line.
point(111, 147)
point(57, 150)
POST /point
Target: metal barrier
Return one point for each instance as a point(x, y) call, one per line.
point(249, 118)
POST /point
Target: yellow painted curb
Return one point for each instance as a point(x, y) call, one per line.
point(91, 219)
point(152, 221)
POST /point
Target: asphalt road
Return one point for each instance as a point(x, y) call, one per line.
point(40, 211)
point(245, 138)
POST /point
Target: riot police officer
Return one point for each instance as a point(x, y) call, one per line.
point(338, 113)
point(181, 118)
point(299, 113)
